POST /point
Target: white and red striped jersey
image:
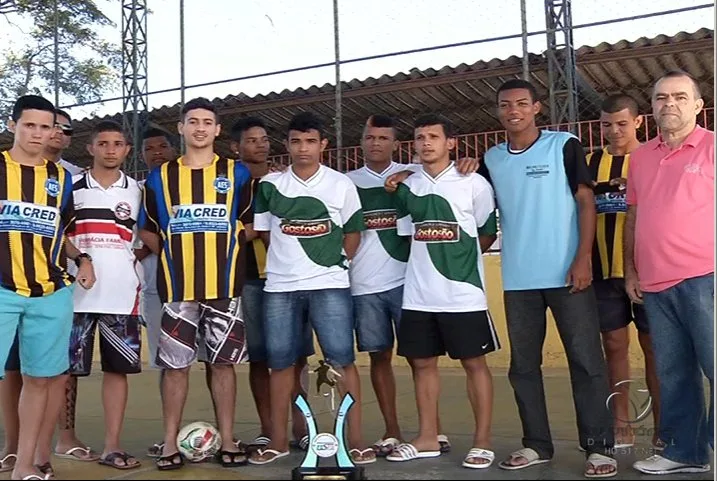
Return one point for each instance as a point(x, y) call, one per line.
point(105, 229)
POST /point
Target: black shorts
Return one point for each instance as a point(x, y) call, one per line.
point(615, 308)
point(464, 335)
point(120, 343)
point(13, 358)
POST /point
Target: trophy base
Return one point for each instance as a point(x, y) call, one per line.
point(328, 472)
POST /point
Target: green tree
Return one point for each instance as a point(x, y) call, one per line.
point(88, 64)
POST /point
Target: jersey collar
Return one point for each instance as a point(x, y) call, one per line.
point(314, 179)
point(121, 183)
point(442, 174)
point(386, 172)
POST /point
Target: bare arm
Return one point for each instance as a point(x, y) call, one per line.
point(250, 233)
point(150, 240)
point(142, 253)
point(486, 241)
point(632, 283)
point(351, 243)
point(265, 236)
point(70, 250)
point(587, 220)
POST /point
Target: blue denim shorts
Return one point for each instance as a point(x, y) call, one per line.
point(252, 299)
point(329, 312)
point(376, 315)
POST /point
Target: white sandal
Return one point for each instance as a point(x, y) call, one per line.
point(444, 443)
point(529, 454)
point(8, 457)
point(478, 453)
point(384, 447)
point(262, 452)
point(408, 452)
point(359, 456)
point(598, 461)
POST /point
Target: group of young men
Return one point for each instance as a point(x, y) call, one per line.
point(240, 263)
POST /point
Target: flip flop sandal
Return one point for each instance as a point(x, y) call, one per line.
point(3, 461)
point(89, 455)
point(408, 452)
point(478, 454)
point(302, 444)
point(111, 458)
point(233, 461)
point(172, 460)
point(529, 454)
point(260, 442)
point(261, 452)
point(444, 443)
point(46, 469)
point(155, 450)
point(35, 476)
point(384, 447)
point(598, 461)
point(357, 456)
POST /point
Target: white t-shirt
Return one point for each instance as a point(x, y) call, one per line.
point(380, 262)
point(307, 221)
point(71, 168)
point(105, 228)
point(444, 216)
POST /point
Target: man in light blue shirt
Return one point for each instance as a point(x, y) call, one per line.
point(547, 215)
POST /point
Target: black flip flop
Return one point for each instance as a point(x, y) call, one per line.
point(172, 459)
point(232, 455)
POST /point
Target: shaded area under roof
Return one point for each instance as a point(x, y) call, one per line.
point(464, 94)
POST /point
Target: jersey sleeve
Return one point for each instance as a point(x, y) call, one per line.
point(67, 207)
point(404, 221)
point(351, 211)
point(243, 186)
point(631, 196)
point(576, 167)
point(484, 206)
point(147, 218)
point(262, 215)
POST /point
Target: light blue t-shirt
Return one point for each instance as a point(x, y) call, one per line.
point(535, 191)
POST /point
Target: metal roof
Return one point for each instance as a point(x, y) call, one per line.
point(464, 94)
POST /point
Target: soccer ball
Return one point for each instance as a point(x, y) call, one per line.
point(198, 441)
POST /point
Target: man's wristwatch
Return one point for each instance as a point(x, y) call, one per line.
point(83, 255)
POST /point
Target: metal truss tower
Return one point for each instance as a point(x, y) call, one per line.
point(134, 77)
point(562, 73)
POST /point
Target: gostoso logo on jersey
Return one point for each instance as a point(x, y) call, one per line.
point(306, 228)
point(380, 219)
point(437, 231)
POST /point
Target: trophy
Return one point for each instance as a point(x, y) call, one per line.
point(326, 445)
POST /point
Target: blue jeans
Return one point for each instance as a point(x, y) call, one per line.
point(682, 328)
point(330, 313)
point(252, 299)
point(376, 315)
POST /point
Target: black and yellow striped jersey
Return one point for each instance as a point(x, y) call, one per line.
point(199, 215)
point(255, 250)
point(36, 209)
point(609, 175)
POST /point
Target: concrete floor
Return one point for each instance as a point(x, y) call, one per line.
point(143, 426)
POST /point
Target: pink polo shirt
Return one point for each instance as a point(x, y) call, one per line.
point(674, 191)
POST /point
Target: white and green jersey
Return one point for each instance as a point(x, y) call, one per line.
point(307, 221)
point(380, 262)
point(444, 215)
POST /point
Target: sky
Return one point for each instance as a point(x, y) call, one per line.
point(233, 38)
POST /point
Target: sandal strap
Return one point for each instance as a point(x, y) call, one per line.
point(481, 453)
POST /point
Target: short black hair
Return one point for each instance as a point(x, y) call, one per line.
point(244, 124)
point(382, 122)
point(619, 102)
point(156, 132)
point(64, 114)
point(433, 119)
point(517, 83)
point(681, 73)
point(31, 102)
point(200, 103)
point(107, 126)
point(305, 121)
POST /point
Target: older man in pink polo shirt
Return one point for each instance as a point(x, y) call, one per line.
point(669, 265)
